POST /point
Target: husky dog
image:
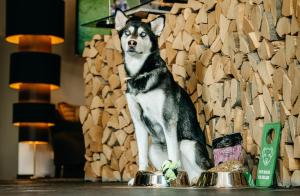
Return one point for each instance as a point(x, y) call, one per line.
point(157, 104)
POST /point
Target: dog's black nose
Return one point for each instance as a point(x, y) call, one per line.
point(132, 43)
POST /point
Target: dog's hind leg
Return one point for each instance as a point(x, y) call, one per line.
point(190, 159)
point(157, 155)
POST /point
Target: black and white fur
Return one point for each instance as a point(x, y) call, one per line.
point(159, 107)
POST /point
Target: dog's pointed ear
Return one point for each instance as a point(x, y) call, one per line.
point(157, 25)
point(120, 20)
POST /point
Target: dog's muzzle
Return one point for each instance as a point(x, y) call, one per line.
point(132, 43)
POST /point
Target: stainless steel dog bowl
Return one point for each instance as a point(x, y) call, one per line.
point(222, 180)
point(143, 178)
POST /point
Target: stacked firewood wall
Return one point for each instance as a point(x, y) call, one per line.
point(238, 61)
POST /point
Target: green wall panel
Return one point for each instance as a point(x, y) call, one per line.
point(90, 10)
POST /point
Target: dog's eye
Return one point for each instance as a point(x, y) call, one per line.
point(143, 34)
point(127, 32)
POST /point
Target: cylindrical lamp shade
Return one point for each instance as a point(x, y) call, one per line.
point(33, 134)
point(35, 17)
point(34, 68)
point(33, 114)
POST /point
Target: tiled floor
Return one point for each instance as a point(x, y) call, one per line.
point(78, 187)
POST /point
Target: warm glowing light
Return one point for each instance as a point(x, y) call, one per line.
point(34, 124)
point(14, 39)
point(19, 84)
point(34, 142)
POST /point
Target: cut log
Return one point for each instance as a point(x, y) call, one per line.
point(286, 92)
point(120, 102)
point(208, 77)
point(98, 82)
point(247, 25)
point(89, 173)
point(87, 140)
point(259, 106)
point(107, 150)
point(284, 174)
point(297, 147)
point(171, 53)
point(105, 91)
point(123, 161)
point(256, 16)
point(206, 57)
point(216, 45)
point(95, 133)
point(181, 58)
point(267, 98)
point(295, 179)
point(221, 126)
point(294, 25)
point(129, 129)
point(114, 163)
point(212, 34)
point(133, 148)
point(83, 113)
point(114, 81)
point(179, 25)
point(289, 160)
point(179, 70)
point(265, 71)
point(96, 157)
point(97, 166)
point(118, 151)
point(177, 7)
point(238, 119)
point(96, 115)
point(267, 27)
point(105, 72)
point(105, 118)
point(265, 50)
point(290, 51)
point(283, 26)
point(284, 112)
point(187, 40)
point(107, 174)
point(258, 131)
point(279, 58)
point(287, 7)
point(296, 109)
point(87, 124)
point(112, 140)
point(293, 126)
point(106, 134)
point(235, 93)
point(121, 136)
point(113, 122)
point(224, 24)
point(97, 102)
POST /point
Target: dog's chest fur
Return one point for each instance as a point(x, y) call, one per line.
point(151, 104)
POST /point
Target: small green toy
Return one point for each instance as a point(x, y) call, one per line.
point(169, 170)
point(268, 154)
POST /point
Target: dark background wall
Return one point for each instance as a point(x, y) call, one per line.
point(71, 90)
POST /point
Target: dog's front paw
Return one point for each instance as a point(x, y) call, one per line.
point(131, 182)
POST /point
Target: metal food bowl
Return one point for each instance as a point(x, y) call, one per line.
point(144, 178)
point(222, 180)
